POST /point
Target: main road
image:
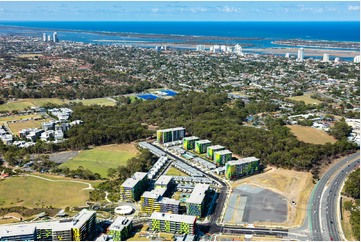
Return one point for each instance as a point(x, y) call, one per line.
point(322, 212)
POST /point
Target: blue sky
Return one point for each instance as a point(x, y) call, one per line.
point(181, 11)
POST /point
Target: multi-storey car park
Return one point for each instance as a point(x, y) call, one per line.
point(173, 223)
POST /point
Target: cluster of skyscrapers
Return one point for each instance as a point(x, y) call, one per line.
point(237, 49)
point(47, 38)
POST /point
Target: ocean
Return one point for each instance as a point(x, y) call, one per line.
point(262, 33)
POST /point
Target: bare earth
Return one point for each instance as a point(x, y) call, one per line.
point(311, 135)
point(294, 185)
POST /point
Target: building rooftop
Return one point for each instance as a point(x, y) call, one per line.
point(132, 181)
point(203, 141)
point(140, 175)
point(171, 129)
point(215, 147)
point(16, 230)
point(174, 217)
point(82, 217)
point(243, 161)
point(198, 194)
point(167, 200)
point(191, 138)
point(223, 152)
point(163, 180)
point(119, 223)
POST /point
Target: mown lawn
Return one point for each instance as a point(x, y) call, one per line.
point(172, 171)
point(98, 101)
point(35, 192)
point(16, 127)
point(101, 158)
point(306, 98)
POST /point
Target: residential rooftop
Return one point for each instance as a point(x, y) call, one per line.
point(243, 161)
point(174, 217)
point(198, 194)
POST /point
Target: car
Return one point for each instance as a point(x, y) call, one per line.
point(331, 222)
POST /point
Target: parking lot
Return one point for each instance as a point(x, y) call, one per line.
point(251, 204)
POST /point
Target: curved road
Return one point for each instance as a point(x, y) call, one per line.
point(322, 202)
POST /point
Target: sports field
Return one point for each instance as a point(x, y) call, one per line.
point(294, 185)
point(18, 117)
point(97, 101)
point(33, 192)
point(311, 135)
point(306, 98)
point(16, 127)
point(21, 104)
point(101, 158)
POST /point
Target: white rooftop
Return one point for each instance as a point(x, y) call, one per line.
point(171, 129)
point(132, 181)
point(18, 229)
point(215, 147)
point(191, 138)
point(119, 223)
point(198, 194)
point(167, 200)
point(81, 218)
point(243, 161)
point(173, 217)
point(163, 180)
point(223, 152)
point(203, 141)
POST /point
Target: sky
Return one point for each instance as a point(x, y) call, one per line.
point(180, 11)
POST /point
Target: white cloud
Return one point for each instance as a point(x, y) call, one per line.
point(154, 10)
point(312, 10)
point(353, 8)
point(228, 9)
point(197, 10)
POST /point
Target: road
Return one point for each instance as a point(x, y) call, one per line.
point(322, 202)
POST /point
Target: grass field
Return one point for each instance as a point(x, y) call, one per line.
point(16, 127)
point(16, 105)
point(311, 135)
point(345, 222)
point(18, 117)
point(98, 101)
point(294, 185)
point(172, 171)
point(41, 101)
point(35, 192)
point(21, 104)
point(30, 55)
point(306, 98)
point(101, 158)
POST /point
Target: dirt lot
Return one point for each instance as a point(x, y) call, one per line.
point(311, 135)
point(294, 185)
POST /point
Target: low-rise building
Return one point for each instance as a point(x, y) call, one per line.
point(243, 167)
point(189, 142)
point(196, 202)
point(202, 145)
point(173, 223)
point(121, 228)
point(133, 187)
point(222, 156)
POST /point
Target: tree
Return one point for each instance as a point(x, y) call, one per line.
point(340, 129)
